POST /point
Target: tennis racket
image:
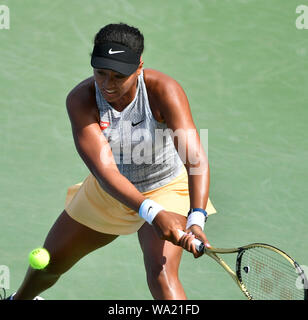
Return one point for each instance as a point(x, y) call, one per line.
point(262, 271)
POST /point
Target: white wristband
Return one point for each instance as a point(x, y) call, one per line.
point(149, 209)
point(197, 218)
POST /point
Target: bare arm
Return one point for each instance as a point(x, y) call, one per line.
point(172, 103)
point(178, 118)
point(95, 151)
point(174, 109)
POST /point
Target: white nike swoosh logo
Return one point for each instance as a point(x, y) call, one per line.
point(114, 52)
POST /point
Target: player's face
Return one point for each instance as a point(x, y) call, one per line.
point(117, 88)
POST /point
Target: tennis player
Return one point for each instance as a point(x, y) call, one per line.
point(140, 177)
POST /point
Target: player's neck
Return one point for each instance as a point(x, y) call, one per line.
point(120, 104)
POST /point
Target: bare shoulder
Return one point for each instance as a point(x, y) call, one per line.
point(165, 94)
point(81, 100)
point(158, 82)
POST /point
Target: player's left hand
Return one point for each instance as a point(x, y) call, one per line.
point(167, 223)
point(186, 241)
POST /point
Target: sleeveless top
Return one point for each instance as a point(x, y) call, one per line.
point(142, 147)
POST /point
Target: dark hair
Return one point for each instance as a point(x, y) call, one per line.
point(121, 33)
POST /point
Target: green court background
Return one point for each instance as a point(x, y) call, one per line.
point(243, 65)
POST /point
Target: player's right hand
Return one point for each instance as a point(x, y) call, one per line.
point(186, 241)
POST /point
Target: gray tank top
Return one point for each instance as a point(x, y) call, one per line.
point(142, 147)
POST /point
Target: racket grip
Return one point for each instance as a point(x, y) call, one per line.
point(198, 244)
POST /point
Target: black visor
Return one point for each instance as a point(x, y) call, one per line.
point(114, 56)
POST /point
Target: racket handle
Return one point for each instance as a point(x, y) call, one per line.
point(198, 244)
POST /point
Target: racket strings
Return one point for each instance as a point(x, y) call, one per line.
point(269, 276)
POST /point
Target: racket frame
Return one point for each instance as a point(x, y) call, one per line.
point(236, 275)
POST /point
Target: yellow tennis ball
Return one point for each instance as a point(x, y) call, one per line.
point(39, 258)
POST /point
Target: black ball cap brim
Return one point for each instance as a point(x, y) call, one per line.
point(110, 64)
